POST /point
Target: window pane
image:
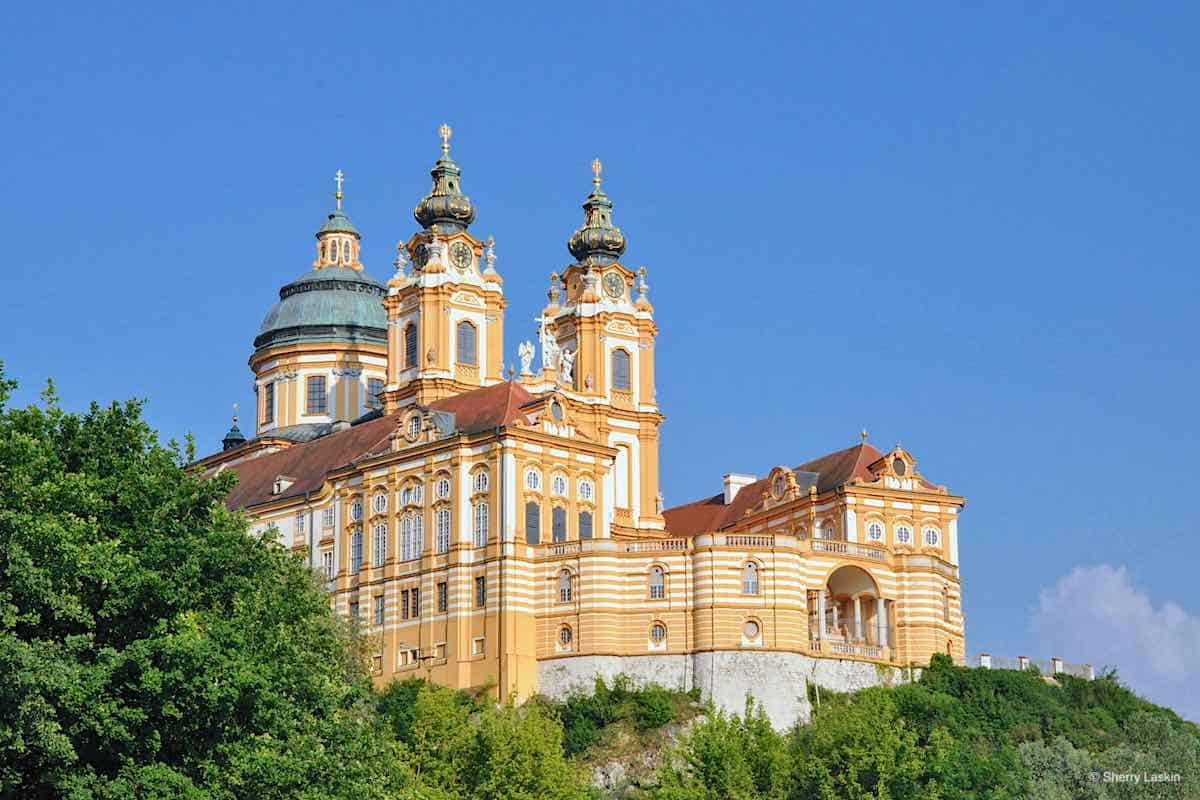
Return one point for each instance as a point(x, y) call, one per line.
point(620, 369)
point(374, 392)
point(533, 521)
point(585, 524)
point(269, 403)
point(410, 345)
point(559, 523)
point(315, 395)
point(466, 343)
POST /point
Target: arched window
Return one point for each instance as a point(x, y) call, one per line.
point(751, 630)
point(411, 494)
point(481, 523)
point(379, 545)
point(585, 524)
point(479, 482)
point(356, 510)
point(441, 489)
point(620, 370)
point(356, 551)
point(379, 503)
point(443, 530)
point(414, 426)
point(658, 583)
point(565, 637)
point(933, 537)
point(466, 353)
point(874, 531)
point(903, 534)
point(586, 490)
point(533, 480)
point(410, 537)
point(346, 251)
point(564, 587)
point(410, 346)
point(533, 523)
point(558, 485)
point(658, 633)
point(750, 578)
point(558, 524)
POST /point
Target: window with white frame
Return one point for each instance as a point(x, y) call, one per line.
point(933, 537)
point(479, 481)
point(533, 480)
point(904, 534)
point(564, 587)
point(443, 530)
point(620, 370)
point(356, 510)
point(300, 524)
point(411, 494)
point(559, 485)
point(356, 553)
point(565, 637)
point(558, 524)
point(410, 537)
point(379, 503)
point(658, 634)
point(379, 542)
point(875, 531)
point(533, 523)
point(327, 517)
point(585, 524)
point(587, 490)
point(658, 583)
point(327, 564)
point(410, 346)
point(481, 523)
point(750, 578)
point(442, 488)
point(466, 350)
point(414, 426)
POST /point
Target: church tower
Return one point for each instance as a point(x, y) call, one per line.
point(320, 354)
point(597, 334)
point(445, 315)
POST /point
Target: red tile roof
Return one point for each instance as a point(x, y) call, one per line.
point(711, 513)
point(308, 463)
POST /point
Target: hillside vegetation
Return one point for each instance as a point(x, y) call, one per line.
point(151, 647)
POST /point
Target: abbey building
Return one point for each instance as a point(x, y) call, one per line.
point(507, 530)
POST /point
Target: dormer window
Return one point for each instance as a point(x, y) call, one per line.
point(898, 466)
point(281, 484)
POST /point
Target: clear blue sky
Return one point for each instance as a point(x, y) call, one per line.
point(972, 231)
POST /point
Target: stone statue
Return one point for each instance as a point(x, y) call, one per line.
point(566, 363)
point(525, 351)
point(550, 349)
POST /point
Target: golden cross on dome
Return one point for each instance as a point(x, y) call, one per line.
point(445, 132)
point(597, 168)
point(338, 177)
point(863, 435)
point(235, 415)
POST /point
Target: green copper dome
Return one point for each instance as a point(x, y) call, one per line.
point(331, 304)
point(338, 222)
point(598, 241)
point(445, 205)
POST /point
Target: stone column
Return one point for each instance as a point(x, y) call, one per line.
point(881, 620)
point(858, 627)
point(821, 615)
point(836, 627)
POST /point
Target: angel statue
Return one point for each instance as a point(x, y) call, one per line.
point(525, 351)
point(566, 363)
point(550, 349)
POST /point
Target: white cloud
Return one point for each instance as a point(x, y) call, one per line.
point(1095, 614)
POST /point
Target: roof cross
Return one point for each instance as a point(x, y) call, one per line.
point(338, 177)
point(445, 132)
point(597, 168)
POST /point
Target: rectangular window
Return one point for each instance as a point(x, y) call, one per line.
point(356, 551)
point(477, 646)
point(481, 524)
point(416, 602)
point(410, 346)
point(443, 530)
point(480, 591)
point(327, 517)
point(442, 597)
point(316, 401)
point(404, 604)
point(374, 392)
point(620, 370)
point(585, 524)
point(466, 344)
point(558, 524)
point(378, 609)
point(327, 564)
point(439, 651)
point(379, 546)
point(299, 524)
point(377, 664)
point(354, 611)
point(533, 523)
point(269, 403)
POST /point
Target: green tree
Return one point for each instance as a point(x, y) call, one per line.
point(150, 646)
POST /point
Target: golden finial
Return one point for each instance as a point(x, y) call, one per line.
point(338, 177)
point(445, 132)
point(597, 168)
point(235, 415)
point(863, 435)
point(642, 272)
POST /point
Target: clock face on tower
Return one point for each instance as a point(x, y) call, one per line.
point(460, 256)
point(614, 285)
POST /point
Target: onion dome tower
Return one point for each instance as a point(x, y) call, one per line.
point(235, 437)
point(445, 316)
point(321, 352)
point(598, 241)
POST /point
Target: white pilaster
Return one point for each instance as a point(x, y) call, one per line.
point(851, 525)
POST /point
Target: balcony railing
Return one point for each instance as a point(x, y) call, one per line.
point(849, 549)
point(750, 541)
point(655, 545)
point(564, 549)
point(876, 652)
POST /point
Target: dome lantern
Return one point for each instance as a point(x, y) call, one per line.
point(445, 206)
point(598, 241)
point(338, 239)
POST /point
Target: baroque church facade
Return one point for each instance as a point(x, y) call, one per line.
point(507, 531)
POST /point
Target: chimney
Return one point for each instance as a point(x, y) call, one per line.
point(734, 483)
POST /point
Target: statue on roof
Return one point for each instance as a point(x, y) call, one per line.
point(525, 351)
point(566, 363)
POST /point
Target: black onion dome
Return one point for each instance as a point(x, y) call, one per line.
point(445, 205)
point(598, 241)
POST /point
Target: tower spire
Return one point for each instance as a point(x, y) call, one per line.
point(235, 437)
point(445, 205)
point(598, 241)
point(445, 132)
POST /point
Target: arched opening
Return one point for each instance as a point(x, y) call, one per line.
point(850, 613)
